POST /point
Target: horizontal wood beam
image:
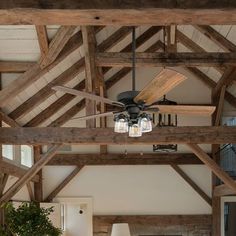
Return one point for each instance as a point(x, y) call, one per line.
point(125, 159)
point(100, 136)
point(216, 37)
point(13, 170)
point(159, 59)
point(223, 190)
point(15, 66)
point(155, 220)
point(35, 72)
point(73, 12)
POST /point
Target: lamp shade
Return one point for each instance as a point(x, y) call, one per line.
point(120, 230)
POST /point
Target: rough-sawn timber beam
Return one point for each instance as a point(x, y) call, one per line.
point(100, 136)
point(155, 220)
point(131, 12)
point(13, 170)
point(15, 66)
point(223, 190)
point(160, 59)
point(125, 159)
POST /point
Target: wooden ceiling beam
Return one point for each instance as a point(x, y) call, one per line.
point(47, 90)
point(194, 47)
point(106, 45)
point(226, 79)
point(42, 39)
point(3, 183)
point(201, 193)
point(116, 59)
point(57, 44)
point(15, 66)
point(153, 220)
point(223, 190)
point(125, 71)
point(61, 120)
point(13, 170)
point(211, 84)
point(8, 120)
point(216, 37)
point(211, 164)
point(29, 174)
point(124, 159)
point(63, 184)
point(35, 72)
point(54, 107)
point(91, 78)
point(139, 41)
point(49, 12)
point(100, 136)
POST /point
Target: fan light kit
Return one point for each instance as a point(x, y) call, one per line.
point(131, 116)
point(135, 127)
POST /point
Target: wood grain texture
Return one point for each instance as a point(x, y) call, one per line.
point(222, 190)
point(35, 72)
point(158, 220)
point(47, 90)
point(15, 66)
point(42, 39)
point(125, 159)
point(14, 170)
point(38, 187)
point(165, 81)
point(57, 44)
point(117, 59)
point(216, 37)
point(194, 47)
point(100, 136)
point(194, 110)
point(49, 12)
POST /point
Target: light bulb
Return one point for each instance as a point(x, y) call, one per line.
point(135, 130)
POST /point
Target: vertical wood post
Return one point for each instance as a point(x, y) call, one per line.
point(38, 187)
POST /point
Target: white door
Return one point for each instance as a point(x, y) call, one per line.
point(77, 216)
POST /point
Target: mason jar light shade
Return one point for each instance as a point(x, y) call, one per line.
point(135, 131)
point(120, 230)
point(145, 124)
point(121, 124)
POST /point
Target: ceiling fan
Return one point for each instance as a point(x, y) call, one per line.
point(130, 115)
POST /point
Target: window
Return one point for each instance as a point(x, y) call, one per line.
point(26, 155)
point(8, 151)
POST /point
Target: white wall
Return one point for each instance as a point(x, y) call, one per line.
point(134, 189)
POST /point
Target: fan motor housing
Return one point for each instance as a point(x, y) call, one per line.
point(131, 106)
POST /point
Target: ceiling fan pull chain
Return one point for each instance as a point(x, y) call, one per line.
point(134, 58)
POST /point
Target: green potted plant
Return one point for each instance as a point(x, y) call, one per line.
point(28, 219)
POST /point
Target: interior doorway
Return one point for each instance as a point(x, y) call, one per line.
point(76, 216)
point(228, 216)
